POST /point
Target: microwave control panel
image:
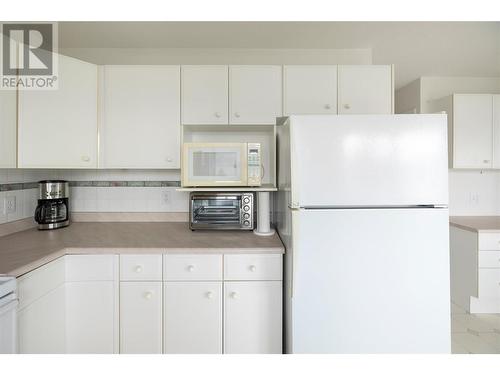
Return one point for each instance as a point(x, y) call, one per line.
point(254, 165)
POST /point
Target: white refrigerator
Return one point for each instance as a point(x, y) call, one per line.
point(362, 208)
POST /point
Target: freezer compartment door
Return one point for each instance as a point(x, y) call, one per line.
point(371, 281)
point(369, 160)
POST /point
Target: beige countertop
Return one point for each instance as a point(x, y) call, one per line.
point(24, 251)
point(476, 223)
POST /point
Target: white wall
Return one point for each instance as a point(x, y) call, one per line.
point(96, 198)
point(472, 192)
point(121, 56)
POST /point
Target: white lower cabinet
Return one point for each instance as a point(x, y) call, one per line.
point(192, 303)
point(253, 317)
point(42, 324)
point(193, 317)
point(92, 304)
point(141, 317)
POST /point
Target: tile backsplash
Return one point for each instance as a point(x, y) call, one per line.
point(95, 191)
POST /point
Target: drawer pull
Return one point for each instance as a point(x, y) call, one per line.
point(252, 268)
point(148, 295)
point(210, 295)
point(138, 269)
point(190, 268)
point(233, 295)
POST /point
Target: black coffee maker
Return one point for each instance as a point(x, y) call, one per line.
point(53, 204)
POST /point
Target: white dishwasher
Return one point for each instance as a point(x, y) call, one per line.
point(8, 315)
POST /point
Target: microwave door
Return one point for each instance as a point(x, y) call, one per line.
point(217, 166)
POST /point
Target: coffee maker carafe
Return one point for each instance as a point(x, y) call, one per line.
point(53, 204)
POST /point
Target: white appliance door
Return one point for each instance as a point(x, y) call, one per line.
point(369, 160)
point(370, 281)
point(8, 325)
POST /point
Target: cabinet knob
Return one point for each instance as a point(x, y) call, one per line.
point(169, 160)
point(190, 268)
point(217, 114)
point(486, 161)
point(252, 268)
point(148, 295)
point(210, 295)
point(347, 106)
point(328, 106)
point(85, 158)
point(236, 114)
point(138, 269)
point(233, 295)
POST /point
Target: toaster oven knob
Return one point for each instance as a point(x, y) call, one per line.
point(246, 216)
point(246, 222)
point(246, 200)
point(246, 208)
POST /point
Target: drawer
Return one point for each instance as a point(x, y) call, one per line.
point(489, 259)
point(489, 283)
point(141, 267)
point(253, 267)
point(489, 241)
point(88, 267)
point(192, 267)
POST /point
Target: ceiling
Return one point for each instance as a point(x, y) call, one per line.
point(416, 48)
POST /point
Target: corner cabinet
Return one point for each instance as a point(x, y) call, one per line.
point(140, 116)
point(473, 129)
point(58, 128)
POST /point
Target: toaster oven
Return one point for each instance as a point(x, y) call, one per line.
point(222, 210)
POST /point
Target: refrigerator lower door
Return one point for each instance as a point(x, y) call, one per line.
point(370, 281)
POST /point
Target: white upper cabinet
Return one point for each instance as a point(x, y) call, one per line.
point(309, 89)
point(365, 89)
point(140, 117)
point(58, 128)
point(255, 94)
point(8, 141)
point(204, 94)
point(496, 131)
point(470, 130)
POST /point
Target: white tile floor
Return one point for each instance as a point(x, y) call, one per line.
point(474, 333)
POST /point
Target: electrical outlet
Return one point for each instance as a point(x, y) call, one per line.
point(166, 197)
point(10, 204)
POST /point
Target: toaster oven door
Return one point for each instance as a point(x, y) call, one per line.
point(215, 211)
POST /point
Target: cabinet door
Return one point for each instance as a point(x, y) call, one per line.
point(192, 317)
point(309, 89)
point(204, 94)
point(58, 128)
point(365, 89)
point(92, 304)
point(255, 94)
point(496, 131)
point(472, 131)
point(252, 317)
point(141, 317)
point(140, 117)
point(8, 127)
point(42, 324)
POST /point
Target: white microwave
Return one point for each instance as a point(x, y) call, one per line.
point(221, 164)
